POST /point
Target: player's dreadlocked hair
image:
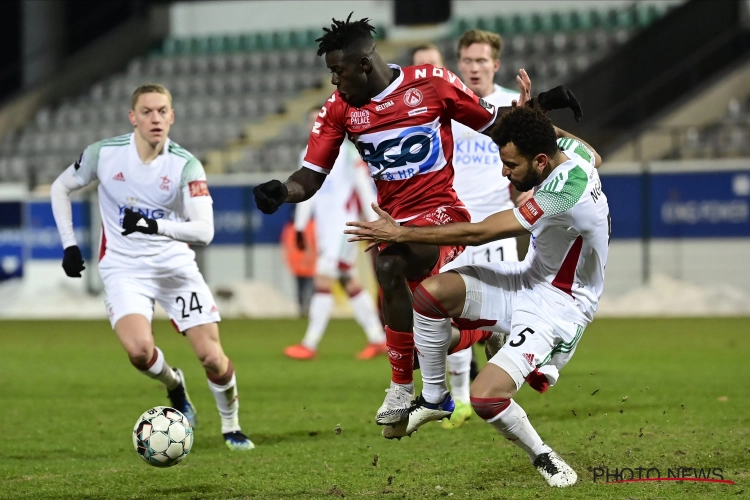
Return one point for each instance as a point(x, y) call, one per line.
point(343, 33)
point(530, 130)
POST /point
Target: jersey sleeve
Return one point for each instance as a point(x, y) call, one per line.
point(193, 180)
point(461, 104)
point(556, 197)
point(326, 136)
point(577, 147)
point(85, 167)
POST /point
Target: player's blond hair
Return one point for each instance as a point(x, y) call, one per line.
point(149, 88)
point(471, 37)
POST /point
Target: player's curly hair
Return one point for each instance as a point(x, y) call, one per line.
point(343, 33)
point(530, 130)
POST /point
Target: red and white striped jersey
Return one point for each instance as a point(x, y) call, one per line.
point(404, 135)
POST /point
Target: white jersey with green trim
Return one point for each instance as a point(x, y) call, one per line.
point(154, 190)
point(570, 226)
point(478, 180)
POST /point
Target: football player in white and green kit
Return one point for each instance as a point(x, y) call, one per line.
point(154, 203)
point(549, 298)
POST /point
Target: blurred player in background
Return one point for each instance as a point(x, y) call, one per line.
point(154, 201)
point(346, 196)
point(400, 121)
point(549, 298)
point(479, 181)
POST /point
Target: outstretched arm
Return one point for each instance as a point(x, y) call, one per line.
point(302, 184)
point(386, 230)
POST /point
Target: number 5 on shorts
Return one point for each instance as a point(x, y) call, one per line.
point(516, 343)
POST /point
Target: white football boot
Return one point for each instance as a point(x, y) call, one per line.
point(396, 406)
point(554, 470)
point(420, 413)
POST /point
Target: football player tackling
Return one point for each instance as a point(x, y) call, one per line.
point(549, 298)
point(400, 121)
point(154, 201)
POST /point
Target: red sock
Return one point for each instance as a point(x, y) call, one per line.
point(401, 354)
point(469, 338)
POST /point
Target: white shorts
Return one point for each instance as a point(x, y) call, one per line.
point(538, 340)
point(186, 298)
point(336, 256)
point(492, 252)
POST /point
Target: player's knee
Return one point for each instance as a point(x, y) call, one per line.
point(141, 356)
point(488, 408)
point(426, 304)
point(494, 385)
point(213, 361)
point(390, 270)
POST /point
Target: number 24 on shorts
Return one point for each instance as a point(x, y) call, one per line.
point(193, 304)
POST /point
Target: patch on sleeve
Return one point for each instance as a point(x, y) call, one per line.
point(531, 211)
point(489, 107)
point(198, 188)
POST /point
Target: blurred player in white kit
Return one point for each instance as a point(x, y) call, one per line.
point(478, 180)
point(154, 202)
point(347, 195)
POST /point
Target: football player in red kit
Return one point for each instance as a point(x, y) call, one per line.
point(400, 121)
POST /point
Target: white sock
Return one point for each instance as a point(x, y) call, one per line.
point(367, 317)
point(228, 404)
point(459, 366)
point(432, 338)
point(320, 312)
point(161, 371)
point(514, 425)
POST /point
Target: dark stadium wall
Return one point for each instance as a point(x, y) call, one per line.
point(10, 41)
point(664, 63)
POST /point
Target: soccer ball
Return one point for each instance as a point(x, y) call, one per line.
point(162, 436)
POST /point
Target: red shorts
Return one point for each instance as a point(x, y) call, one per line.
point(438, 217)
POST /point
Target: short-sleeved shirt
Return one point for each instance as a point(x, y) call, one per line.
point(570, 225)
point(404, 135)
point(154, 190)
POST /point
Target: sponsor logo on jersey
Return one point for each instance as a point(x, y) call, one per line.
point(439, 217)
point(489, 107)
point(399, 154)
point(531, 211)
point(418, 111)
point(529, 358)
point(413, 98)
point(360, 118)
point(119, 177)
point(476, 150)
point(150, 213)
point(77, 164)
point(166, 184)
point(385, 105)
point(198, 188)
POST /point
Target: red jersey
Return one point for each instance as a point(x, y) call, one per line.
point(404, 135)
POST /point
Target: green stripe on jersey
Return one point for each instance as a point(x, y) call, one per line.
point(177, 150)
point(563, 192)
point(120, 139)
point(563, 347)
point(192, 171)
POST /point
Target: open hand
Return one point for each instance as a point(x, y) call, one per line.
point(524, 86)
point(383, 230)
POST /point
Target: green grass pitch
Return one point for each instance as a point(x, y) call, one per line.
point(646, 393)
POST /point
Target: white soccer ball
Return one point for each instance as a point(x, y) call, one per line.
point(162, 436)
